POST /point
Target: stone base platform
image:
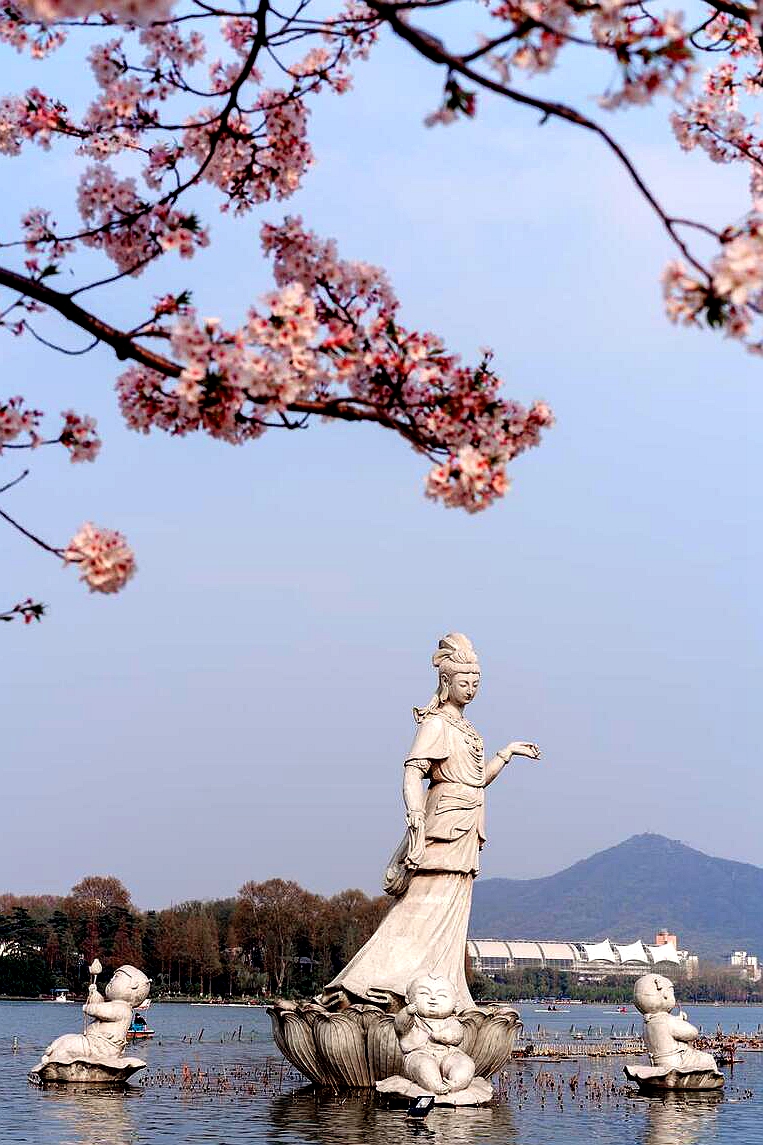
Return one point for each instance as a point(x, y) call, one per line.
point(480, 1092)
point(652, 1079)
point(104, 1071)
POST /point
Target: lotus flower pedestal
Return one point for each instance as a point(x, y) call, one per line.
point(357, 1047)
point(103, 1071)
point(652, 1080)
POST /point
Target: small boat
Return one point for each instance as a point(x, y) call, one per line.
point(139, 1028)
point(61, 994)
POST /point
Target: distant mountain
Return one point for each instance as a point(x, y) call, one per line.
point(630, 891)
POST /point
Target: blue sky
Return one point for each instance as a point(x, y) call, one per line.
point(242, 710)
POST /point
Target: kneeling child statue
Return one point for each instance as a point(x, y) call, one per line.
point(675, 1064)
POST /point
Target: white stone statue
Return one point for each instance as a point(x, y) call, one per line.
point(429, 1035)
point(96, 1054)
point(675, 1064)
point(432, 872)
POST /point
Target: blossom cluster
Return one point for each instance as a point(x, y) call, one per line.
point(652, 52)
point(730, 294)
point(15, 420)
point(329, 338)
point(79, 436)
point(129, 11)
point(33, 116)
point(26, 610)
point(250, 142)
point(20, 30)
point(251, 164)
point(732, 298)
point(104, 559)
point(127, 228)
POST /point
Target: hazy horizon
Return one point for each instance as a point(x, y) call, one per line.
point(350, 886)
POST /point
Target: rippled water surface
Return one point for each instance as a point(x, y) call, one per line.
point(214, 1076)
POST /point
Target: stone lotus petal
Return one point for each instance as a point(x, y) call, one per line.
point(296, 1043)
point(356, 1047)
point(384, 1056)
point(341, 1043)
point(472, 1021)
point(494, 1042)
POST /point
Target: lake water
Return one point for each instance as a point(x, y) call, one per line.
point(230, 1087)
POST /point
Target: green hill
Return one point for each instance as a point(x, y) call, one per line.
point(630, 891)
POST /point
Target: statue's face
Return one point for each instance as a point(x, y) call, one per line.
point(434, 997)
point(463, 686)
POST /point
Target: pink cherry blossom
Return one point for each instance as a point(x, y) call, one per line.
point(79, 436)
point(105, 560)
point(134, 11)
point(331, 333)
point(129, 230)
point(15, 420)
point(262, 156)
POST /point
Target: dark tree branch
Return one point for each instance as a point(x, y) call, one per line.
point(434, 50)
point(30, 536)
point(15, 481)
point(121, 344)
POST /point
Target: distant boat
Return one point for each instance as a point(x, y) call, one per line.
point(61, 994)
point(139, 1028)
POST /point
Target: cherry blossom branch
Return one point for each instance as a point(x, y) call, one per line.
point(348, 409)
point(27, 610)
point(121, 344)
point(433, 49)
point(329, 341)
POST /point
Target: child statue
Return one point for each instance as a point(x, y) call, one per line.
point(96, 1055)
point(429, 1034)
point(675, 1064)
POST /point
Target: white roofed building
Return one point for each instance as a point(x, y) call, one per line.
point(495, 957)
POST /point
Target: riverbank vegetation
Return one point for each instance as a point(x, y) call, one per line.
point(712, 983)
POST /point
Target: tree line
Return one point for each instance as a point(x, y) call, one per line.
point(274, 937)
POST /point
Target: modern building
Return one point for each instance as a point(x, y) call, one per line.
point(495, 957)
point(748, 965)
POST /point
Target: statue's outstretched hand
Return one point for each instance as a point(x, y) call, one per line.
point(415, 818)
point(519, 747)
